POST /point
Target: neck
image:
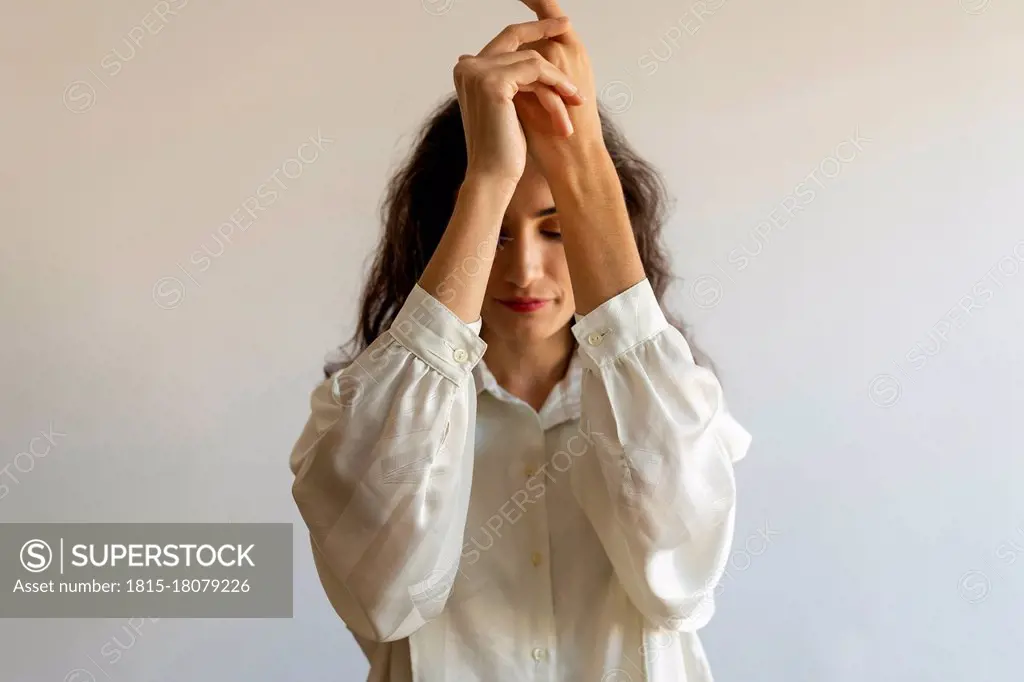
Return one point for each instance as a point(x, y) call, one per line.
point(529, 369)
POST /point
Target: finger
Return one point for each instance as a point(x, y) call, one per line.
point(526, 67)
point(512, 37)
point(545, 8)
point(550, 100)
point(568, 100)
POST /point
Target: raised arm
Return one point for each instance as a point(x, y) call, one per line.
point(657, 482)
point(599, 246)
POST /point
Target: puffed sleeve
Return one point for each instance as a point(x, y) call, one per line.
point(383, 470)
point(657, 478)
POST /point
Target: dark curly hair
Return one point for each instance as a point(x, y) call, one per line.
point(420, 200)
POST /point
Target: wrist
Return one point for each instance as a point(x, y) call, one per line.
point(581, 168)
point(489, 183)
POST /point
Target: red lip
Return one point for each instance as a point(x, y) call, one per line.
point(524, 305)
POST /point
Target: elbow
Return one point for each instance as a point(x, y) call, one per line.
point(378, 615)
point(671, 600)
point(677, 614)
point(380, 630)
point(409, 608)
point(389, 619)
point(382, 610)
point(688, 617)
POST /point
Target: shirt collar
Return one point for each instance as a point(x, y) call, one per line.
point(562, 404)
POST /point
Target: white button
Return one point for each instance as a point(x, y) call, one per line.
point(460, 355)
point(539, 654)
point(595, 339)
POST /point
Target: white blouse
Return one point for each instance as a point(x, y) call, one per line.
point(463, 536)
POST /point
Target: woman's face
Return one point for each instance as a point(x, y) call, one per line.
point(529, 295)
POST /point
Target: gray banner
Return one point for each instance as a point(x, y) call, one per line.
point(171, 570)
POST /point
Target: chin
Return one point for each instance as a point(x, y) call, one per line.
point(528, 327)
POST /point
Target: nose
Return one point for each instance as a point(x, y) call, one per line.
point(525, 261)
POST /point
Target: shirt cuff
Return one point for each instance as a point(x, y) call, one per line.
point(620, 323)
point(436, 335)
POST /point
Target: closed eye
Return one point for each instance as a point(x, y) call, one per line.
point(551, 229)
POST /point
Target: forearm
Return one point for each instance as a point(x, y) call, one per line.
point(459, 268)
point(600, 249)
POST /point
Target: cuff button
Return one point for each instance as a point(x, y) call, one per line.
point(460, 355)
point(595, 339)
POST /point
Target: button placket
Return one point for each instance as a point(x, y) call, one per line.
point(539, 566)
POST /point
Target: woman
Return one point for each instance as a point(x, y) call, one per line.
point(521, 473)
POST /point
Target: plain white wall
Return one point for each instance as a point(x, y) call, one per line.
point(871, 342)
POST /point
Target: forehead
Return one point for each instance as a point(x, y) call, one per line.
point(532, 193)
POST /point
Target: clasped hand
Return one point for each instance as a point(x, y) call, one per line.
point(567, 53)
